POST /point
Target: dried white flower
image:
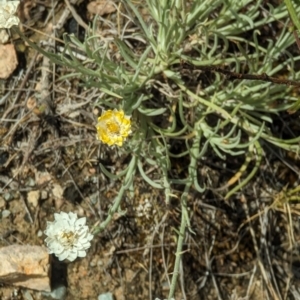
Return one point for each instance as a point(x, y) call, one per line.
point(145, 209)
point(68, 236)
point(7, 11)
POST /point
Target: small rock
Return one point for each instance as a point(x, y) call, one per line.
point(5, 213)
point(30, 182)
point(42, 177)
point(101, 7)
point(57, 191)
point(26, 266)
point(106, 296)
point(74, 114)
point(8, 60)
point(100, 263)
point(129, 275)
point(119, 293)
point(4, 37)
point(27, 295)
point(8, 197)
point(58, 293)
point(44, 195)
point(93, 262)
point(31, 103)
point(33, 198)
point(2, 202)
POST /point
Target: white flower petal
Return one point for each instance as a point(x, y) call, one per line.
point(72, 219)
point(86, 245)
point(81, 253)
point(72, 255)
point(83, 245)
point(48, 240)
point(80, 222)
point(89, 237)
point(63, 255)
point(56, 247)
point(61, 216)
point(7, 11)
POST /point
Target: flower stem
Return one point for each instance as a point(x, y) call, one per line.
point(195, 150)
point(127, 182)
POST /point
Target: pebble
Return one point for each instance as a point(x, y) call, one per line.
point(44, 195)
point(8, 197)
point(30, 182)
point(100, 263)
point(57, 191)
point(106, 296)
point(5, 213)
point(4, 37)
point(2, 202)
point(8, 59)
point(33, 198)
point(58, 293)
point(93, 263)
point(27, 295)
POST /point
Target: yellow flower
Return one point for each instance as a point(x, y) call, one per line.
point(113, 127)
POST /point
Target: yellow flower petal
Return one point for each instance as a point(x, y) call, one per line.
point(113, 127)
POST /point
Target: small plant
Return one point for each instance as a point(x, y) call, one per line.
point(229, 115)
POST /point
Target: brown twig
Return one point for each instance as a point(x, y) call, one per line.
point(262, 77)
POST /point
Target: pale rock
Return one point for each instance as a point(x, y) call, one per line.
point(119, 293)
point(26, 266)
point(44, 195)
point(57, 191)
point(106, 296)
point(101, 7)
point(8, 60)
point(58, 293)
point(2, 202)
point(33, 198)
point(5, 213)
point(31, 103)
point(42, 178)
point(74, 114)
point(8, 197)
point(4, 37)
point(30, 181)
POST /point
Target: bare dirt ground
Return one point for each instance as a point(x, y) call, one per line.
point(242, 248)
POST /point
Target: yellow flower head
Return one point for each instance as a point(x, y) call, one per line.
point(113, 127)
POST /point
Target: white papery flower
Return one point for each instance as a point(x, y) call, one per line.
point(68, 236)
point(7, 11)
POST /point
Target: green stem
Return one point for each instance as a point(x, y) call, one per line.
point(184, 213)
point(127, 182)
point(178, 250)
point(292, 13)
point(259, 150)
